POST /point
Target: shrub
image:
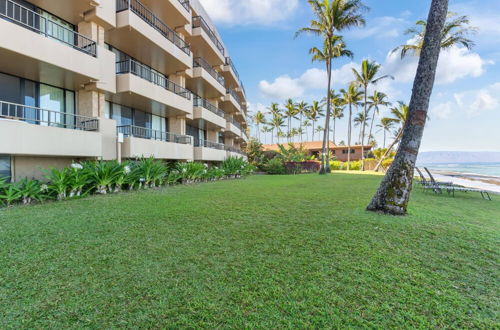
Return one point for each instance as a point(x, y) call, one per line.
point(275, 166)
point(309, 166)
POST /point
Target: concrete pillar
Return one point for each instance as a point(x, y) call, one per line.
point(179, 78)
point(90, 30)
point(213, 135)
point(177, 125)
point(91, 103)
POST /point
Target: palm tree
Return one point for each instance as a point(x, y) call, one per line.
point(365, 78)
point(375, 102)
point(319, 130)
point(314, 113)
point(306, 124)
point(361, 121)
point(337, 110)
point(386, 125)
point(331, 17)
point(456, 31)
point(301, 111)
point(276, 123)
point(268, 129)
point(259, 119)
point(280, 134)
point(290, 113)
point(394, 192)
point(352, 97)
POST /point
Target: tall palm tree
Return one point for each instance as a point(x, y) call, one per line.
point(301, 111)
point(366, 77)
point(259, 119)
point(306, 124)
point(385, 125)
point(456, 31)
point(376, 101)
point(394, 192)
point(314, 113)
point(277, 122)
point(360, 120)
point(337, 110)
point(319, 129)
point(331, 17)
point(290, 113)
point(352, 97)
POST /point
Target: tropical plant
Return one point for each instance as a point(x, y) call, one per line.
point(364, 78)
point(386, 124)
point(301, 111)
point(30, 190)
point(277, 123)
point(337, 111)
point(360, 120)
point(259, 119)
point(376, 101)
point(457, 31)
point(102, 175)
point(255, 152)
point(292, 153)
point(394, 192)
point(331, 17)
point(290, 113)
point(352, 97)
point(58, 182)
point(152, 172)
point(10, 194)
point(275, 166)
point(314, 112)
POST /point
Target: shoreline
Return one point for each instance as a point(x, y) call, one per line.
point(491, 183)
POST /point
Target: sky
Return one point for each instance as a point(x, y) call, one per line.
point(274, 66)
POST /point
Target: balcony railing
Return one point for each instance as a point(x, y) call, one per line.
point(234, 122)
point(185, 4)
point(235, 150)
point(235, 95)
point(44, 117)
point(231, 64)
point(199, 62)
point(199, 21)
point(151, 134)
point(208, 144)
point(33, 21)
point(146, 73)
point(200, 102)
point(149, 17)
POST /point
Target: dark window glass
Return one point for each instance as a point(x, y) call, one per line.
point(142, 119)
point(5, 170)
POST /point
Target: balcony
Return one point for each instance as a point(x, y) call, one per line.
point(145, 37)
point(235, 152)
point(39, 49)
point(209, 151)
point(26, 130)
point(145, 142)
point(141, 87)
point(175, 13)
point(232, 102)
point(206, 80)
point(206, 41)
point(233, 127)
point(208, 113)
point(232, 76)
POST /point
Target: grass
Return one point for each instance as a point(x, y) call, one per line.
point(265, 252)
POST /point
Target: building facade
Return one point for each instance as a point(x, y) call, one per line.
point(114, 79)
point(315, 148)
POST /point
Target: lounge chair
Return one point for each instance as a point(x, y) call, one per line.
point(438, 189)
point(424, 182)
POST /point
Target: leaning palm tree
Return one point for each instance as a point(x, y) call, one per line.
point(290, 113)
point(366, 77)
point(386, 124)
point(314, 113)
point(301, 111)
point(456, 31)
point(331, 17)
point(394, 192)
point(352, 97)
point(259, 119)
point(376, 101)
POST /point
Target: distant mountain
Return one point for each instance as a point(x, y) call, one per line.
point(434, 157)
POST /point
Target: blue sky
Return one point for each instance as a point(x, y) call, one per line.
point(465, 106)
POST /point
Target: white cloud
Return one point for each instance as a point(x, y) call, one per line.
point(443, 110)
point(454, 64)
point(471, 103)
point(249, 11)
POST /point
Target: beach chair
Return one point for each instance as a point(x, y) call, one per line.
point(424, 182)
point(450, 189)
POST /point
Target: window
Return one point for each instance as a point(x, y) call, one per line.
point(5, 170)
point(221, 138)
point(344, 152)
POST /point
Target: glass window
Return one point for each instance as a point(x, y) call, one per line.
point(10, 91)
point(107, 110)
point(122, 115)
point(57, 28)
point(5, 170)
point(142, 119)
point(31, 100)
point(52, 98)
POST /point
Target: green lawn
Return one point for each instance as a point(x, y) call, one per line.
point(267, 252)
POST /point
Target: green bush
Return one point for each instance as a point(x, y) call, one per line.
point(275, 166)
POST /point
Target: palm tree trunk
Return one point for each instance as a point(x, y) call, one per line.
point(349, 128)
point(363, 132)
point(394, 192)
point(371, 125)
point(325, 166)
point(334, 130)
point(385, 133)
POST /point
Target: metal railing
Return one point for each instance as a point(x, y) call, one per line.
point(234, 122)
point(45, 117)
point(229, 62)
point(146, 73)
point(200, 62)
point(33, 21)
point(208, 144)
point(152, 134)
point(200, 102)
point(235, 95)
point(185, 4)
point(149, 17)
point(235, 150)
point(199, 21)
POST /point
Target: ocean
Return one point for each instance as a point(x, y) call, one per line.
point(472, 168)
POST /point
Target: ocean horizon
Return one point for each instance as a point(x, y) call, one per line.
point(481, 168)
